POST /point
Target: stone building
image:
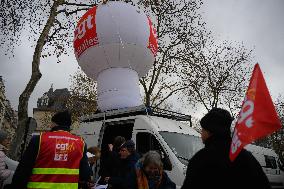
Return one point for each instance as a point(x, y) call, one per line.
point(8, 116)
point(51, 101)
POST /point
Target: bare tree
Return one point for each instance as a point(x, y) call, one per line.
point(219, 76)
point(83, 95)
point(180, 31)
point(189, 62)
point(50, 24)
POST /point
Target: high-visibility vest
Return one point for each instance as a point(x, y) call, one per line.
point(58, 160)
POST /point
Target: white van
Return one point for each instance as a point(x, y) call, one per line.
point(163, 131)
point(270, 163)
point(177, 142)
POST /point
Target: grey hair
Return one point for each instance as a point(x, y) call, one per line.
point(152, 157)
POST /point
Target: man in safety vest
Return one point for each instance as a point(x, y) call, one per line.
point(55, 159)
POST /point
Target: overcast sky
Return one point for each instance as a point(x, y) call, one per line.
point(258, 23)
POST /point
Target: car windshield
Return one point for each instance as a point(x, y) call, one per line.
point(183, 146)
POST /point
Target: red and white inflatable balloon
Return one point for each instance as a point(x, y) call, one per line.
point(115, 43)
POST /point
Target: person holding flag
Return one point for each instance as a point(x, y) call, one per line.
point(223, 162)
point(211, 167)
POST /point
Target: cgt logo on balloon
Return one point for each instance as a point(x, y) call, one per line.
point(85, 34)
point(153, 42)
point(115, 44)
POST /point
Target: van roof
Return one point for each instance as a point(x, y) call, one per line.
point(260, 150)
point(169, 125)
point(133, 111)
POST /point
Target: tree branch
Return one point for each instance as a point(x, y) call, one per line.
point(170, 94)
point(80, 5)
point(72, 12)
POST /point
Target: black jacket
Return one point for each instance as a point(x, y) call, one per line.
point(24, 169)
point(118, 179)
point(109, 162)
point(212, 168)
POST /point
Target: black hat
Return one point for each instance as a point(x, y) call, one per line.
point(129, 144)
point(217, 121)
point(62, 118)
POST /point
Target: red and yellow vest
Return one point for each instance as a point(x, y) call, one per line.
point(58, 161)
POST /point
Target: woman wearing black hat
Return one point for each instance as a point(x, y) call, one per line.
point(211, 166)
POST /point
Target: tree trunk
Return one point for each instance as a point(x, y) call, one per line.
point(35, 77)
point(147, 99)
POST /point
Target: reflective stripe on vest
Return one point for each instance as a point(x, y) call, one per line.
point(55, 171)
point(52, 185)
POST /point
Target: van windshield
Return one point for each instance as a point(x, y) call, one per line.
point(183, 146)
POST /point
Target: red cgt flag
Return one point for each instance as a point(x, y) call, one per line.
point(257, 117)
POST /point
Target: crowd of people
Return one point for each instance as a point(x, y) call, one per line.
point(59, 159)
point(123, 168)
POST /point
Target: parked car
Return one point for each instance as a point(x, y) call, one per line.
point(270, 163)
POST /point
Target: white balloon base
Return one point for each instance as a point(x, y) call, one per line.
point(118, 88)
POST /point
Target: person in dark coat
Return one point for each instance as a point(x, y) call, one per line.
point(128, 159)
point(61, 121)
point(110, 159)
point(211, 166)
point(149, 174)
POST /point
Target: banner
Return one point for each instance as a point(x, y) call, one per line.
point(257, 118)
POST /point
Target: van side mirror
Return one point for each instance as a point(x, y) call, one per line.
point(167, 163)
